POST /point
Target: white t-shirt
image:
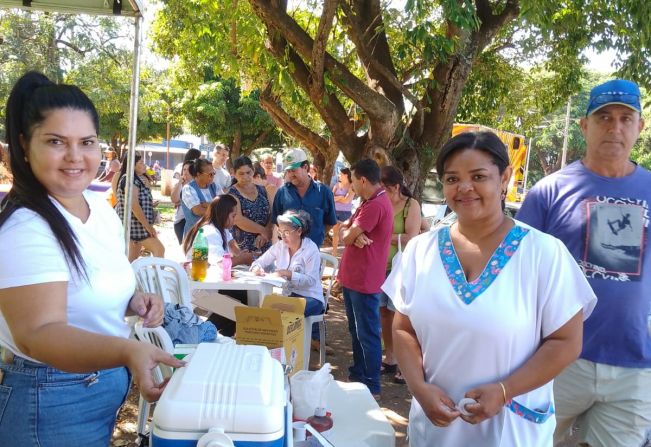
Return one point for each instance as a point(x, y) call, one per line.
point(466, 345)
point(305, 266)
point(191, 199)
point(222, 179)
point(30, 254)
point(215, 244)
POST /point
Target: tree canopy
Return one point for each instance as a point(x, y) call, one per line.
point(89, 52)
point(218, 109)
point(371, 79)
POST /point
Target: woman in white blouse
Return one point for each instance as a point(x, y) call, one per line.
point(297, 259)
point(217, 224)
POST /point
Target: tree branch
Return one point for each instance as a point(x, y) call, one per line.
point(320, 43)
point(327, 104)
point(72, 46)
point(258, 141)
point(490, 23)
point(451, 75)
point(233, 32)
point(374, 104)
point(313, 141)
point(366, 30)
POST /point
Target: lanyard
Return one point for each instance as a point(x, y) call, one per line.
point(536, 416)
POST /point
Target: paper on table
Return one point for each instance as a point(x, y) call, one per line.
point(269, 279)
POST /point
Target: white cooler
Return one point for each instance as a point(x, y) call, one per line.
point(227, 395)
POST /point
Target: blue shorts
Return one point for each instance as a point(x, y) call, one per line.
point(41, 405)
point(385, 301)
point(343, 216)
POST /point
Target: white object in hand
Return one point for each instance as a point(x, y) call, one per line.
point(461, 406)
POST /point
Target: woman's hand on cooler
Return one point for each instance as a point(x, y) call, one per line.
point(436, 404)
point(490, 400)
point(142, 358)
point(149, 307)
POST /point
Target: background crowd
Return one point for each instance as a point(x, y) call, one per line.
point(477, 318)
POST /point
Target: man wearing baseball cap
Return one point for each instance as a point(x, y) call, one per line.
point(599, 207)
point(300, 192)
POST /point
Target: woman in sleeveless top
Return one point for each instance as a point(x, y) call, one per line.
point(406, 225)
point(252, 229)
point(142, 233)
point(344, 195)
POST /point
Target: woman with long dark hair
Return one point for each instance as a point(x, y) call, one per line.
point(217, 224)
point(142, 232)
point(406, 225)
point(65, 283)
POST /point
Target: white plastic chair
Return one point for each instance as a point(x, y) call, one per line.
point(159, 337)
point(163, 277)
point(169, 280)
point(326, 261)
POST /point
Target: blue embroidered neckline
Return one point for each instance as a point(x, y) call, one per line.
point(469, 291)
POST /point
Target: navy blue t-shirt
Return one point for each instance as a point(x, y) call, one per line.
point(318, 201)
point(604, 222)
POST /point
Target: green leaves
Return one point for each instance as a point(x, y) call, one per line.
point(220, 110)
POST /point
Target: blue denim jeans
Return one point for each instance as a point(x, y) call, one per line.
point(42, 406)
point(363, 312)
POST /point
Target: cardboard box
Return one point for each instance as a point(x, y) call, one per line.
point(216, 302)
point(277, 324)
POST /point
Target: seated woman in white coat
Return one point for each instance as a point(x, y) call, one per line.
point(489, 311)
point(216, 225)
point(297, 259)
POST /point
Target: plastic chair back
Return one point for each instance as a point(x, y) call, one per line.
point(163, 277)
point(157, 336)
point(328, 260)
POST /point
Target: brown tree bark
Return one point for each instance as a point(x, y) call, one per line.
point(409, 139)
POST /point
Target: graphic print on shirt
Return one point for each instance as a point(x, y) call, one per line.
point(614, 240)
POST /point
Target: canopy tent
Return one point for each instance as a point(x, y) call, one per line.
point(128, 8)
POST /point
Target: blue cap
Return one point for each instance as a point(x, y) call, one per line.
point(617, 91)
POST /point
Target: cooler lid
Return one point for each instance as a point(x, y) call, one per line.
point(238, 388)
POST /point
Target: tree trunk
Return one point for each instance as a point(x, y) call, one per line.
point(236, 145)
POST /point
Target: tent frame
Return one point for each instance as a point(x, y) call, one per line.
point(120, 8)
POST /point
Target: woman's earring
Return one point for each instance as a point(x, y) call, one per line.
point(503, 196)
point(26, 160)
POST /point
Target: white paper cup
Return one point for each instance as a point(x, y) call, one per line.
point(298, 429)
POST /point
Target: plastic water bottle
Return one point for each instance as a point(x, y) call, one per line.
point(199, 257)
point(227, 263)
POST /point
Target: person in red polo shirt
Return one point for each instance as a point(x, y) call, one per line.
point(366, 237)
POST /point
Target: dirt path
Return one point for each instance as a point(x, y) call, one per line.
point(395, 399)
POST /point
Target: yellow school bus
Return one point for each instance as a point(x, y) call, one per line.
point(517, 155)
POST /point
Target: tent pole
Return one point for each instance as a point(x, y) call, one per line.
point(133, 128)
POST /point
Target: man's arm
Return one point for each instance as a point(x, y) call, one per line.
point(329, 211)
point(351, 233)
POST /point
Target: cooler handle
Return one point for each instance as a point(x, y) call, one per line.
point(215, 438)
